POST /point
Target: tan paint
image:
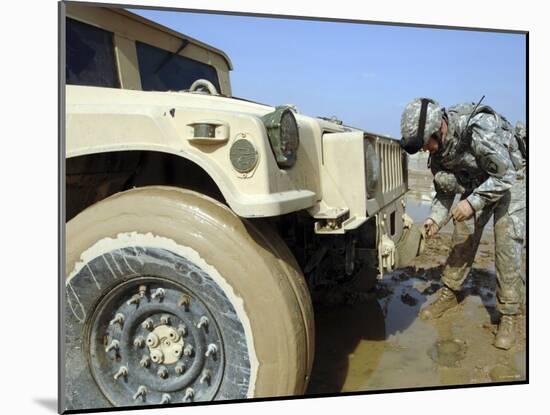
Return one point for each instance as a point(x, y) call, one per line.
point(343, 156)
point(106, 119)
point(328, 179)
point(133, 27)
point(277, 303)
point(126, 59)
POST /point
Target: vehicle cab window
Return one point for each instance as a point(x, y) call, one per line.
point(90, 56)
point(161, 70)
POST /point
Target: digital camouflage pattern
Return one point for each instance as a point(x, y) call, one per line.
point(521, 137)
point(520, 130)
point(480, 160)
point(446, 183)
point(483, 157)
point(411, 115)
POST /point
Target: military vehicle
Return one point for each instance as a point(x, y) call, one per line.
point(199, 223)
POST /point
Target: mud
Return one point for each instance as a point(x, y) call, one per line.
point(373, 340)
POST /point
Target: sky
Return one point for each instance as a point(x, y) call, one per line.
point(364, 74)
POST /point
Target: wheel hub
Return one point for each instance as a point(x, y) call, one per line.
point(153, 341)
point(165, 345)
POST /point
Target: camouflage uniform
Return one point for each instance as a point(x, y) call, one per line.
point(480, 160)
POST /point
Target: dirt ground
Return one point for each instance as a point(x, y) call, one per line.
point(374, 340)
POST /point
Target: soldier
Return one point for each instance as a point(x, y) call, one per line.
point(475, 153)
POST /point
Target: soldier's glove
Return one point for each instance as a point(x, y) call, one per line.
point(430, 227)
point(463, 211)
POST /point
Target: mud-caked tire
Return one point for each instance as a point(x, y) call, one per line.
point(170, 298)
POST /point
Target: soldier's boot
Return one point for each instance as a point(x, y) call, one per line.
point(506, 334)
point(446, 299)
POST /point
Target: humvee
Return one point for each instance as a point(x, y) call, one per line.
point(199, 224)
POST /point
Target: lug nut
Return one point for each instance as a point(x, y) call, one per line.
point(148, 324)
point(139, 342)
point(162, 372)
point(123, 371)
point(165, 399)
point(159, 293)
point(115, 345)
point(157, 356)
point(142, 390)
point(142, 290)
point(182, 330)
point(185, 301)
point(203, 322)
point(134, 300)
point(165, 319)
point(206, 375)
point(188, 350)
point(145, 361)
point(119, 319)
point(180, 369)
point(211, 350)
point(189, 393)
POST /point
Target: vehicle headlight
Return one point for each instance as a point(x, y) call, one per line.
point(372, 167)
point(282, 130)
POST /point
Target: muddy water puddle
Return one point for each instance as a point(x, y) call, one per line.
point(448, 353)
point(374, 341)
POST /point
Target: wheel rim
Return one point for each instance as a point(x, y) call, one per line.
point(153, 340)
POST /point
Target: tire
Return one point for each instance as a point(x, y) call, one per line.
point(203, 305)
point(364, 280)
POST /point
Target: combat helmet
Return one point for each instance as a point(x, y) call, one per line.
point(421, 119)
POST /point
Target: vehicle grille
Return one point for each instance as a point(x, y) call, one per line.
point(391, 165)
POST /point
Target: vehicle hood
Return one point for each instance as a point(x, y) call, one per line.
point(91, 96)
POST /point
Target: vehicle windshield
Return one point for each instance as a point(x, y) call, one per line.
point(161, 70)
point(90, 56)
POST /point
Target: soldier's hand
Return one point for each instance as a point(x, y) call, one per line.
point(463, 211)
point(430, 227)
